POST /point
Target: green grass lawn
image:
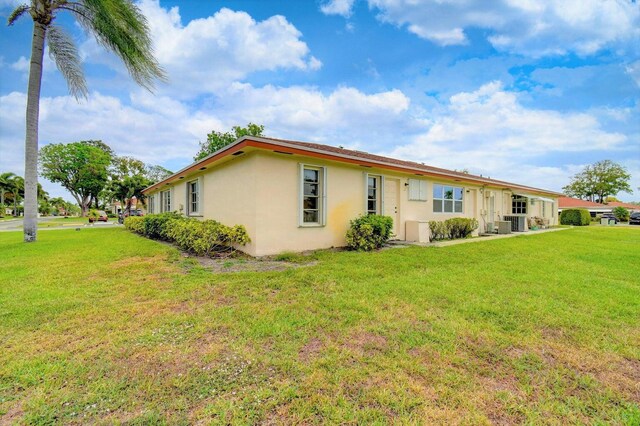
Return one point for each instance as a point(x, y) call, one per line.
point(104, 326)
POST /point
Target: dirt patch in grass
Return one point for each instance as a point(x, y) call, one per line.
point(366, 343)
point(247, 264)
point(310, 350)
point(12, 415)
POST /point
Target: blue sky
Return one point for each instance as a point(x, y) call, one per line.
point(527, 91)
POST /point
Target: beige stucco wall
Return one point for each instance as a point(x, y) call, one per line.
point(261, 190)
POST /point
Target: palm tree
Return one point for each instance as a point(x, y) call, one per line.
point(5, 186)
point(118, 25)
point(17, 189)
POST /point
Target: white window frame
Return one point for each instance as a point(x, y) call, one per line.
point(198, 193)
point(150, 202)
point(166, 207)
point(519, 204)
point(417, 190)
point(379, 195)
point(443, 200)
point(322, 195)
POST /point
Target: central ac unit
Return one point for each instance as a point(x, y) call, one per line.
point(517, 223)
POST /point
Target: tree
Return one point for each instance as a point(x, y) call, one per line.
point(127, 188)
point(80, 167)
point(6, 183)
point(157, 173)
point(118, 25)
point(598, 181)
point(218, 140)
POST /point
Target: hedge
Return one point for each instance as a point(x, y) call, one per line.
point(204, 238)
point(369, 232)
point(135, 224)
point(454, 228)
point(576, 217)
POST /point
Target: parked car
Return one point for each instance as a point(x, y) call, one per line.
point(134, 212)
point(102, 217)
point(634, 219)
point(610, 217)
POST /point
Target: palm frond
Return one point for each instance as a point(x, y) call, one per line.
point(17, 13)
point(64, 53)
point(120, 27)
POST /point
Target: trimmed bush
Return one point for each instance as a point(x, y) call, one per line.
point(437, 231)
point(575, 217)
point(461, 227)
point(369, 232)
point(621, 214)
point(135, 224)
point(454, 228)
point(155, 225)
point(206, 237)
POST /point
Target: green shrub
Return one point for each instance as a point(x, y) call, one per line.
point(621, 214)
point(460, 227)
point(134, 224)
point(576, 217)
point(438, 230)
point(206, 237)
point(369, 232)
point(454, 228)
point(155, 225)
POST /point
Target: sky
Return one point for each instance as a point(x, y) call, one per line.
point(528, 91)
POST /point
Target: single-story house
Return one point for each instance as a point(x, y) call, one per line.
point(298, 196)
point(628, 206)
point(593, 207)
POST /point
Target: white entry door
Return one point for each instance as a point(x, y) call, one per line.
point(392, 203)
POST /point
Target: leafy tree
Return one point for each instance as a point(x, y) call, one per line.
point(127, 188)
point(80, 167)
point(118, 25)
point(157, 173)
point(598, 181)
point(218, 140)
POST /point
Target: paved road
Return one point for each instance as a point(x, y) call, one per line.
point(16, 224)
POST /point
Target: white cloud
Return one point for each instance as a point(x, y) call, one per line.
point(490, 132)
point(633, 69)
point(207, 54)
point(22, 64)
point(163, 130)
point(337, 7)
point(487, 130)
point(532, 28)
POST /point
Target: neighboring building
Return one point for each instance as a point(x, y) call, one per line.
point(593, 207)
point(576, 203)
point(628, 206)
point(114, 206)
point(301, 196)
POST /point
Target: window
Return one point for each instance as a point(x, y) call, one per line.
point(373, 195)
point(544, 209)
point(165, 201)
point(518, 204)
point(193, 197)
point(151, 202)
point(447, 199)
point(417, 190)
point(312, 195)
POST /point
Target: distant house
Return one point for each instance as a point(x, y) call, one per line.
point(114, 206)
point(628, 206)
point(594, 208)
point(299, 196)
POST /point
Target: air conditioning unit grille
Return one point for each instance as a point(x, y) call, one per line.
point(517, 223)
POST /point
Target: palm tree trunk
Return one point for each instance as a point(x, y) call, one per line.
point(31, 142)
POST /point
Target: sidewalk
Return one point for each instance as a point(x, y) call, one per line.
point(485, 237)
